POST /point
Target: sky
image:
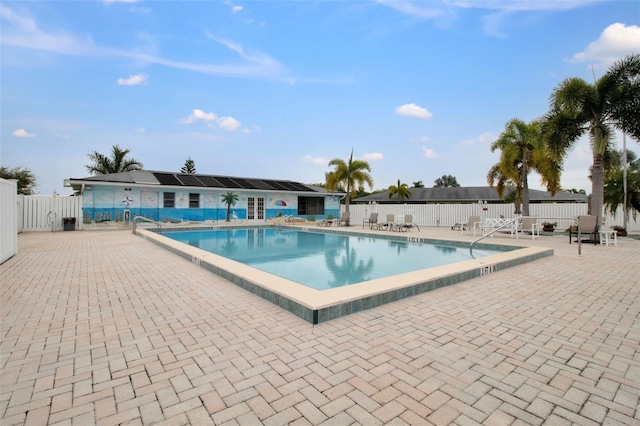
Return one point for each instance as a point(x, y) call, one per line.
point(276, 89)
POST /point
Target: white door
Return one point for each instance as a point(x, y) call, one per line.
point(255, 208)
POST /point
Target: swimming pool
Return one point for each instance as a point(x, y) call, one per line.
point(323, 260)
point(316, 306)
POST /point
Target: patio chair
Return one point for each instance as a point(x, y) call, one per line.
point(587, 225)
point(408, 224)
point(473, 223)
point(529, 225)
point(372, 220)
point(325, 222)
point(384, 226)
point(344, 219)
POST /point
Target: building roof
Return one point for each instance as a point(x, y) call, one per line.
point(470, 194)
point(149, 177)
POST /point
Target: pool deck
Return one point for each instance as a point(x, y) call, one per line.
point(104, 327)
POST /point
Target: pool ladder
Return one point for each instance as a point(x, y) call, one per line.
point(504, 225)
point(146, 219)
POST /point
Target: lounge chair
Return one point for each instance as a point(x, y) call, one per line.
point(407, 225)
point(372, 220)
point(529, 224)
point(326, 222)
point(384, 226)
point(587, 225)
point(344, 219)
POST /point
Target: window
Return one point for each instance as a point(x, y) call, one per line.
point(310, 205)
point(194, 201)
point(169, 199)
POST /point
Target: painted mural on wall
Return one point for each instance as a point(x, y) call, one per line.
point(111, 203)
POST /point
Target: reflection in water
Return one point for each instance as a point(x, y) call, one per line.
point(446, 250)
point(400, 246)
point(349, 269)
point(229, 246)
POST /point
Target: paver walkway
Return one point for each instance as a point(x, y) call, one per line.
point(102, 327)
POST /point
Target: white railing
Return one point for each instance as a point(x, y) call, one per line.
point(447, 215)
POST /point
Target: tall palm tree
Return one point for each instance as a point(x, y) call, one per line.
point(522, 150)
point(103, 165)
point(418, 184)
point(578, 107)
point(351, 176)
point(401, 190)
point(230, 199)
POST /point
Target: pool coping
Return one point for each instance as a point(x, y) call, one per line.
point(317, 306)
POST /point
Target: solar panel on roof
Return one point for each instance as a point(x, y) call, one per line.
point(167, 179)
point(300, 187)
point(277, 185)
point(260, 183)
point(245, 184)
point(210, 182)
point(189, 180)
point(228, 183)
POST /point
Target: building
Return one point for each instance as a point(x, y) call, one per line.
point(469, 194)
point(178, 197)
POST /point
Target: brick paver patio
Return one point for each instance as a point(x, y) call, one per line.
point(103, 327)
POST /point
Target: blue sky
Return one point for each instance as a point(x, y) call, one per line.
point(276, 89)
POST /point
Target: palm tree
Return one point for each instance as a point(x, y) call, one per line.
point(614, 186)
point(577, 107)
point(522, 149)
point(402, 190)
point(189, 167)
point(351, 176)
point(103, 165)
point(446, 181)
point(418, 184)
point(230, 199)
point(25, 177)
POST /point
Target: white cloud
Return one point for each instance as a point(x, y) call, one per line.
point(485, 137)
point(22, 133)
point(428, 152)
point(236, 9)
point(229, 124)
point(133, 80)
point(615, 42)
point(21, 30)
point(314, 160)
point(412, 9)
point(373, 156)
point(413, 110)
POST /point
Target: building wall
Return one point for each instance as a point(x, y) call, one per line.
point(103, 203)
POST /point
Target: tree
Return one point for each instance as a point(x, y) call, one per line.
point(189, 167)
point(351, 176)
point(445, 181)
point(522, 150)
point(230, 199)
point(26, 179)
point(614, 185)
point(103, 165)
point(577, 107)
point(401, 190)
point(418, 184)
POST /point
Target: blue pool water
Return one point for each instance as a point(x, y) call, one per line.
point(323, 260)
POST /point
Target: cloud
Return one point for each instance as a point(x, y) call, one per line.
point(373, 156)
point(133, 80)
point(615, 42)
point(413, 110)
point(22, 133)
point(485, 137)
point(21, 30)
point(229, 124)
point(412, 9)
point(236, 9)
point(314, 160)
point(428, 152)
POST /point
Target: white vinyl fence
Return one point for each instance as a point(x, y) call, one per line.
point(8, 219)
point(447, 215)
point(49, 212)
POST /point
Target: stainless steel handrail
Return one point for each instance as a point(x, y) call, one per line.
point(508, 222)
point(146, 219)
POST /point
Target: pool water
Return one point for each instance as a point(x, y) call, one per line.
point(323, 260)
